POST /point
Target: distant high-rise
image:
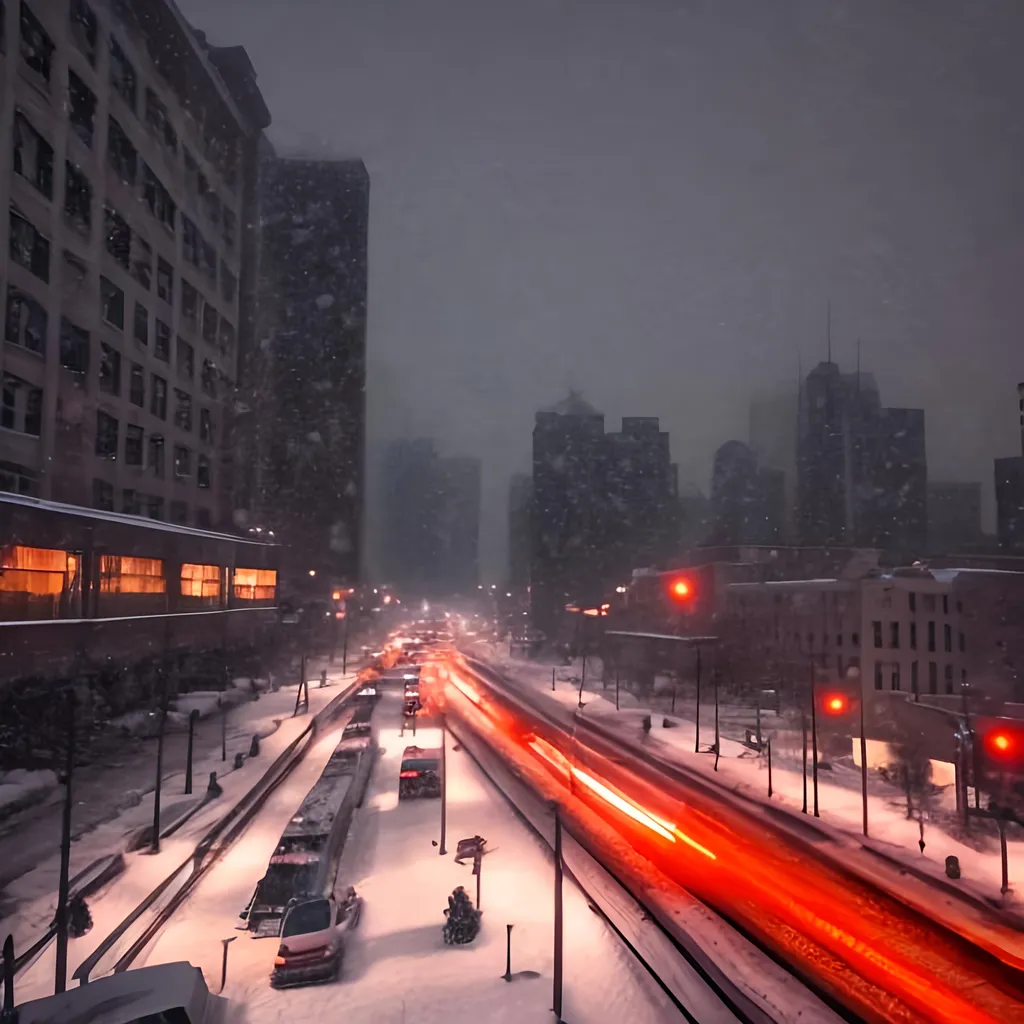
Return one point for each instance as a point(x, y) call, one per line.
point(862, 469)
point(303, 387)
point(747, 502)
point(603, 505)
point(954, 517)
point(411, 513)
point(520, 500)
point(772, 438)
point(459, 527)
point(1010, 492)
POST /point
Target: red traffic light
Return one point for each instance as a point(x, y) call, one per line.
point(1002, 740)
point(680, 589)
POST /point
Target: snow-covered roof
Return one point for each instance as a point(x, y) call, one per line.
point(124, 998)
point(661, 636)
point(120, 517)
point(948, 575)
point(816, 584)
point(574, 404)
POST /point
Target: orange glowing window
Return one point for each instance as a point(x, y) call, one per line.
point(36, 571)
point(126, 574)
point(255, 584)
point(200, 580)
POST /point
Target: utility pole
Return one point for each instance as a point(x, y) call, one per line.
point(154, 846)
point(444, 787)
point(696, 744)
point(814, 742)
point(557, 971)
point(864, 767)
point(61, 972)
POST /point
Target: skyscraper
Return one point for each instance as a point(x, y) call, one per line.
point(302, 428)
point(459, 512)
point(747, 501)
point(862, 469)
point(954, 517)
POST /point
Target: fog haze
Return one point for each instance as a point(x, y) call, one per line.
point(653, 201)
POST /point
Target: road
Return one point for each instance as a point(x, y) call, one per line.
point(866, 949)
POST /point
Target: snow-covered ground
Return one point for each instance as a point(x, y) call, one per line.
point(839, 795)
point(30, 899)
point(397, 967)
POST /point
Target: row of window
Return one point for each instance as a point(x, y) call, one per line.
point(111, 376)
point(136, 503)
point(895, 682)
point(894, 636)
point(930, 603)
point(37, 50)
point(147, 452)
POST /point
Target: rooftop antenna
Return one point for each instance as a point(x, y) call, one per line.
point(828, 328)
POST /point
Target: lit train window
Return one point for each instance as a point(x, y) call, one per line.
point(255, 584)
point(200, 581)
point(125, 574)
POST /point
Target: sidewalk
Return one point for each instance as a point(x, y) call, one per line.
point(113, 800)
point(839, 788)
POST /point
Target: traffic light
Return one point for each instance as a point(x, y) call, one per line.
point(681, 589)
point(835, 704)
point(1002, 742)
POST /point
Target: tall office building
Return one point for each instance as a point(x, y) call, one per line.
point(773, 420)
point(459, 508)
point(520, 502)
point(861, 468)
point(125, 191)
point(747, 501)
point(954, 517)
point(302, 428)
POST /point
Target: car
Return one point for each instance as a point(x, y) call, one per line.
point(312, 945)
point(420, 774)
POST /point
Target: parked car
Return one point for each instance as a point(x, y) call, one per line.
point(420, 774)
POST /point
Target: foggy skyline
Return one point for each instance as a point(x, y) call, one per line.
point(654, 202)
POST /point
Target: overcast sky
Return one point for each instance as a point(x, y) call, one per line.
point(652, 200)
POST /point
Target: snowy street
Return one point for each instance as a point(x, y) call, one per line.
point(397, 968)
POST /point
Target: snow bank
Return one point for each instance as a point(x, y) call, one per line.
point(20, 788)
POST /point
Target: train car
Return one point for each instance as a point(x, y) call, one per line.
point(75, 579)
point(306, 857)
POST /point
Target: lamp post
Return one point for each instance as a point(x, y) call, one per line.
point(61, 972)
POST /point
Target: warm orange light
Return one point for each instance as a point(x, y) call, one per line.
point(592, 612)
point(336, 595)
point(680, 589)
point(631, 810)
point(387, 599)
point(1001, 742)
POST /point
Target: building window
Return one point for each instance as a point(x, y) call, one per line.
point(158, 397)
point(74, 347)
point(894, 678)
point(878, 675)
point(201, 581)
point(155, 456)
point(142, 260)
point(162, 345)
point(189, 304)
point(110, 369)
point(165, 280)
point(36, 44)
point(179, 513)
point(26, 321)
point(931, 636)
point(133, 444)
point(82, 22)
point(183, 410)
point(962, 642)
point(933, 677)
point(118, 237)
point(102, 495)
point(209, 324)
point(913, 636)
point(23, 406)
point(137, 387)
point(912, 598)
point(121, 154)
point(876, 628)
point(182, 462)
point(209, 379)
point(945, 604)
point(947, 638)
point(894, 635)
point(29, 248)
point(211, 204)
point(255, 584)
point(112, 303)
point(122, 74)
point(81, 108)
point(186, 359)
point(158, 119)
point(948, 677)
point(77, 199)
point(203, 472)
point(154, 507)
point(913, 678)
point(33, 155)
point(203, 518)
point(228, 283)
point(960, 604)
point(229, 228)
point(106, 435)
point(141, 324)
point(15, 478)
point(209, 257)
point(205, 426)
point(855, 639)
point(227, 335)
point(190, 241)
point(130, 503)
point(126, 574)
point(157, 198)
